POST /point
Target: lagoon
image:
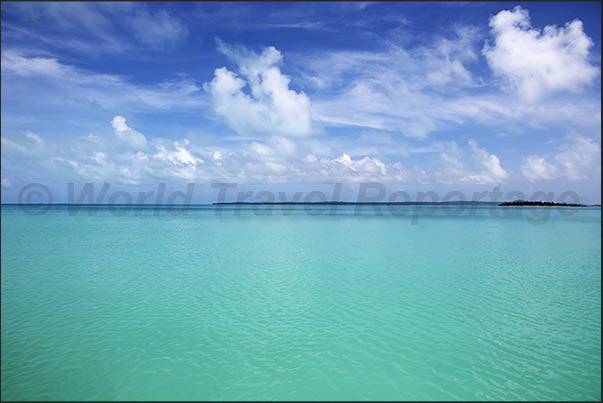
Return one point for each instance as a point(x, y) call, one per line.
point(244, 303)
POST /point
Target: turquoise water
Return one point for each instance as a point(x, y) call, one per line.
point(484, 303)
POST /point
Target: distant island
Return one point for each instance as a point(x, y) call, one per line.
point(344, 203)
point(544, 204)
point(411, 203)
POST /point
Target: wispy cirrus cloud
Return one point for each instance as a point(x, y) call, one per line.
point(63, 81)
point(102, 27)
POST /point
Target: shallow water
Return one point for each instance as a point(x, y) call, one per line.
point(419, 303)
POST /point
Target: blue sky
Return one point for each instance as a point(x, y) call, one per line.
point(293, 96)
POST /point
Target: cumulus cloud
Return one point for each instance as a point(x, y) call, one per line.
point(580, 158)
point(577, 159)
point(311, 169)
point(275, 160)
point(534, 168)
point(536, 62)
point(492, 171)
point(180, 154)
point(269, 106)
point(127, 134)
point(485, 167)
point(361, 170)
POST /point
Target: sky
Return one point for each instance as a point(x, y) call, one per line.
point(297, 96)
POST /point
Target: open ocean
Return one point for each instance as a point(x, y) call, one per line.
point(430, 303)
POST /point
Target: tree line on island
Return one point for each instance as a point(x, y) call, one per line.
point(410, 203)
point(544, 204)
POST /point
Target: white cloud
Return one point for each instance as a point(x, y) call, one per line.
point(127, 134)
point(535, 62)
point(445, 60)
point(12, 145)
point(63, 82)
point(99, 157)
point(493, 172)
point(158, 30)
point(577, 159)
point(361, 170)
point(417, 90)
point(485, 167)
point(100, 27)
point(16, 63)
point(180, 155)
point(312, 169)
point(34, 138)
point(534, 168)
point(580, 159)
point(453, 162)
point(428, 67)
point(277, 160)
point(262, 151)
point(270, 107)
point(284, 146)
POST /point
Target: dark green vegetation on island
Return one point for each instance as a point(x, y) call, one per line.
point(415, 203)
point(544, 204)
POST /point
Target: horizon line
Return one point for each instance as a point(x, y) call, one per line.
point(457, 202)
